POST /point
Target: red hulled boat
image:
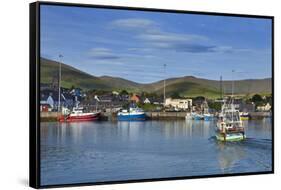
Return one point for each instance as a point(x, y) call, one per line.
point(79, 114)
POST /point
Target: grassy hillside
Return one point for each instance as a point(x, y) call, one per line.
point(185, 86)
point(120, 84)
point(190, 89)
point(192, 86)
point(70, 76)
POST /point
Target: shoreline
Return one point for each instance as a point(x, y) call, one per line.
point(52, 116)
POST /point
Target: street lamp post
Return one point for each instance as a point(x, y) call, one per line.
point(59, 103)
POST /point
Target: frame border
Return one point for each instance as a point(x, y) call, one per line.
point(34, 93)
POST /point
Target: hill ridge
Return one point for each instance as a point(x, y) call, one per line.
point(187, 85)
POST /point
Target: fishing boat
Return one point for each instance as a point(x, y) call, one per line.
point(244, 116)
point(194, 116)
point(189, 116)
point(133, 114)
point(198, 116)
point(80, 114)
point(229, 126)
point(206, 115)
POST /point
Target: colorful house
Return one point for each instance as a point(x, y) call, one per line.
point(135, 98)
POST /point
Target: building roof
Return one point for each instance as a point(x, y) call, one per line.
point(44, 95)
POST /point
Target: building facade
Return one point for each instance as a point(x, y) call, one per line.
point(182, 104)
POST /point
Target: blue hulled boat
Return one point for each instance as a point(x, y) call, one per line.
point(208, 117)
point(133, 114)
point(198, 116)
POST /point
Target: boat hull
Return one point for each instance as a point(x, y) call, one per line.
point(230, 137)
point(244, 118)
point(198, 117)
point(91, 117)
point(132, 117)
point(208, 118)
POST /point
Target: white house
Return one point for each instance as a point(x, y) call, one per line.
point(48, 100)
point(115, 93)
point(146, 101)
point(266, 107)
point(178, 103)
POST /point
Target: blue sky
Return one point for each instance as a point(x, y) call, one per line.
point(135, 45)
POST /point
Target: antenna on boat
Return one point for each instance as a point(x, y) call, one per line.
point(59, 103)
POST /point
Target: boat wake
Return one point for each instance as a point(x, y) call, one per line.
point(248, 142)
point(258, 151)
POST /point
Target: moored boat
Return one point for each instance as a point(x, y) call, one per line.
point(208, 116)
point(80, 114)
point(133, 114)
point(198, 116)
point(194, 116)
point(244, 116)
point(189, 116)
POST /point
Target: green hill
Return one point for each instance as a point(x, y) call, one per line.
point(184, 86)
point(192, 86)
point(70, 76)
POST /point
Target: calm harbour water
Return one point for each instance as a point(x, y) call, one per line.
point(109, 151)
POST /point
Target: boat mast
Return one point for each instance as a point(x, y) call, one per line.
point(232, 96)
point(59, 103)
point(97, 100)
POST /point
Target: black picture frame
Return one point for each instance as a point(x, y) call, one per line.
point(34, 93)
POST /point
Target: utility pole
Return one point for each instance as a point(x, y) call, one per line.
point(232, 96)
point(164, 93)
point(221, 86)
point(59, 103)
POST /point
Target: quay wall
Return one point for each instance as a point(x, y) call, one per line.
point(152, 115)
point(166, 115)
point(52, 116)
point(49, 116)
point(259, 115)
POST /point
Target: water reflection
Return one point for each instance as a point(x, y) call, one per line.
point(228, 154)
point(106, 151)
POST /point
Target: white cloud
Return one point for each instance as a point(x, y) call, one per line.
point(102, 53)
point(134, 23)
point(150, 33)
point(107, 54)
point(153, 36)
point(172, 37)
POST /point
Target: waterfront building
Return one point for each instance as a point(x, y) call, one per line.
point(183, 104)
point(50, 97)
point(266, 107)
point(115, 93)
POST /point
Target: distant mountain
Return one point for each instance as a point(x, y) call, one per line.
point(192, 86)
point(185, 86)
